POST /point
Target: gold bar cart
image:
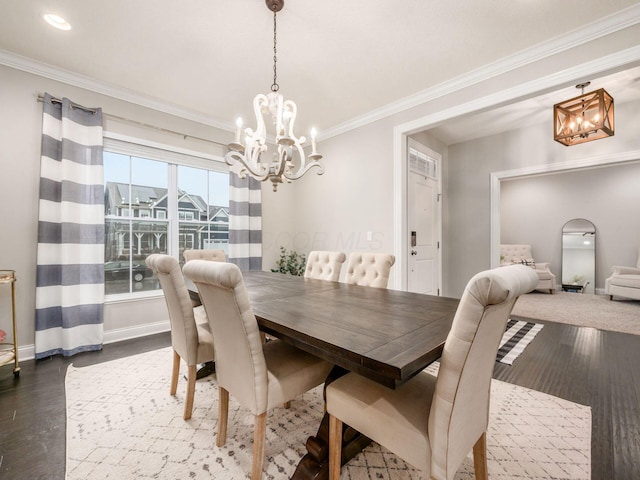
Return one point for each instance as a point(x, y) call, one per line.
point(9, 351)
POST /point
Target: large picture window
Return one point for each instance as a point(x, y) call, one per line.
point(158, 206)
point(203, 209)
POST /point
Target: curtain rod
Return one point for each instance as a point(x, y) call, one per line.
point(134, 122)
point(73, 105)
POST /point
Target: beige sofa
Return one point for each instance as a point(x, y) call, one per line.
point(511, 254)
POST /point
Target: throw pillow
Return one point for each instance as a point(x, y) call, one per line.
point(528, 261)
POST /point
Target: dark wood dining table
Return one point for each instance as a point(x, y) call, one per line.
point(386, 335)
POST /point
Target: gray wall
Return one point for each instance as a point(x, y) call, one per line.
point(336, 210)
point(533, 210)
point(470, 166)
point(356, 194)
point(20, 132)
point(354, 197)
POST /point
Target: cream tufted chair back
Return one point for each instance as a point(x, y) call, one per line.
point(260, 376)
point(324, 265)
point(369, 269)
point(206, 254)
point(241, 367)
point(191, 338)
point(460, 406)
point(434, 422)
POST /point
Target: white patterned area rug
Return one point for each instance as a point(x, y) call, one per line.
point(123, 424)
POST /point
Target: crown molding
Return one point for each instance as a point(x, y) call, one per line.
point(594, 161)
point(605, 26)
point(618, 21)
point(629, 56)
point(41, 69)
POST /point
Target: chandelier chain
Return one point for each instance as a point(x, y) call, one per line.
point(275, 87)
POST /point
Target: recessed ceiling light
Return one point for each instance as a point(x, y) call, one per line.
point(57, 21)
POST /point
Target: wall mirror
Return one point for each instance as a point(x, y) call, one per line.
point(579, 256)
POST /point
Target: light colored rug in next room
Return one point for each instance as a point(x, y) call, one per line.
point(123, 424)
point(583, 310)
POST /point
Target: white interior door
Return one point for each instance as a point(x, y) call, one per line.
point(423, 210)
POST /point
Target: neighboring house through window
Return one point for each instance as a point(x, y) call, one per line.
point(158, 203)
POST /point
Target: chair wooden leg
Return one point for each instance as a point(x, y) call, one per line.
point(287, 404)
point(259, 432)
point(175, 372)
point(335, 447)
point(480, 458)
point(191, 391)
point(223, 416)
point(610, 297)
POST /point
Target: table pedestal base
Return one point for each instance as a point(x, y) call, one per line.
point(315, 464)
point(205, 370)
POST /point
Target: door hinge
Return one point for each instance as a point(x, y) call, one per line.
point(438, 245)
point(438, 292)
point(438, 197)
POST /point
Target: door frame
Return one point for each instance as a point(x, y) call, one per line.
point(599, 66)
point(438, 234)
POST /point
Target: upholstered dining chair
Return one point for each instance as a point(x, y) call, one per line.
point(433, 422)
point(324, 265)
point(191, 337)
point(213, 255)
point(369, 269)
point(260, 376)
point(205, 254)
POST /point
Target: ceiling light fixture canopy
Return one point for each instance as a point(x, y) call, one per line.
point(584, 118)
point(246, 151)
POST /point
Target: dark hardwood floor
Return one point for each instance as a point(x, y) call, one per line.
point(586, 366)
point(596, 368)
point(33, 410)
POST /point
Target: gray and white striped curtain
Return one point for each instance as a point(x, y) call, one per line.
point(245, 222)
point(70, 257)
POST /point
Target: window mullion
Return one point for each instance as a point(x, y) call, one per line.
point(172, 207)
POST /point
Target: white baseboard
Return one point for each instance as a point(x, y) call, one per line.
point(137, 331)
point(28, 352)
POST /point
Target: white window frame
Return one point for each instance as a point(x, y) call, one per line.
point(173, 156)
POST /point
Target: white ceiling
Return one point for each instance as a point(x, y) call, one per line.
point(622, 86)
point(337, 59)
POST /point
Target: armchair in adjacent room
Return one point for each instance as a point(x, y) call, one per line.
point(521, 254)
point(624, 282)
